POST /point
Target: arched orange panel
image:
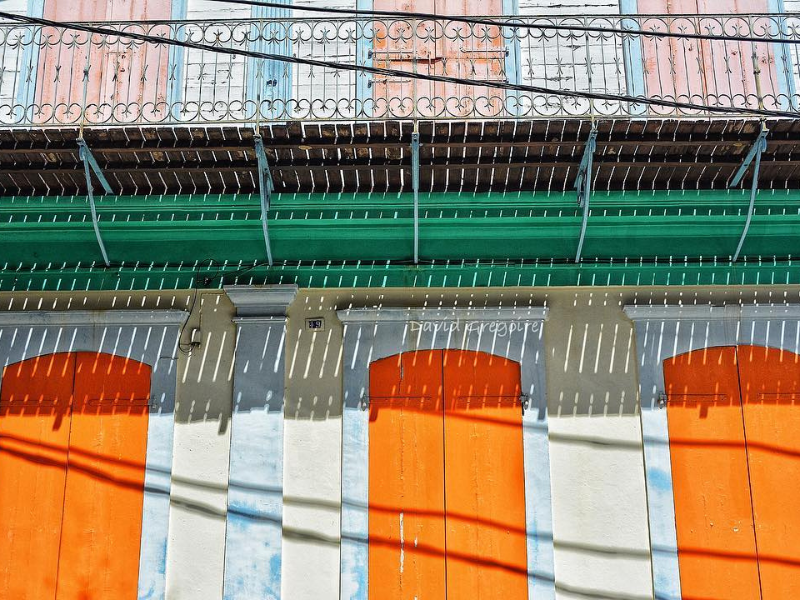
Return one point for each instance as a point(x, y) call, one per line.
point(446, 478)
point(770, 381)
point(484, 478)
point(72, 476)
point(35, 398)
point(713, 513)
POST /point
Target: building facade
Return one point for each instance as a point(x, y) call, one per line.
point(276, 328)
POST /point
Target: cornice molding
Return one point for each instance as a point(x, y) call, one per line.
point(256, 301)
point(407, 314)
point(92, 318)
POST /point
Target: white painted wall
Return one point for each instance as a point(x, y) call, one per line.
point(196, 548)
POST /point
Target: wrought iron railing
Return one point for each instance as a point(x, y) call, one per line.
point(56, 77)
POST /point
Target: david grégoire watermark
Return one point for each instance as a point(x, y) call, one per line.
point(494, 328)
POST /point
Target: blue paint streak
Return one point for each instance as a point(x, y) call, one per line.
point(633, 56)
point(660, 480)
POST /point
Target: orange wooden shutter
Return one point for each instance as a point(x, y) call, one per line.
point(34, 435)
point(439, 48)
point(406, 474)
point(770, 380)
point(105, 480)
point(484, 478)
point(713, 513)
point(73, 435)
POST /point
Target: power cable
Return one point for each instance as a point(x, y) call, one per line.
point(517, 22)
point(400, 73)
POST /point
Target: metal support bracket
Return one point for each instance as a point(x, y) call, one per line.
point(265, 189)
point(415, 188)
point(90, 166)
point(583, 183)
point(753, 157)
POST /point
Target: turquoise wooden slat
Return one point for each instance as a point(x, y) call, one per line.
point(267, 80)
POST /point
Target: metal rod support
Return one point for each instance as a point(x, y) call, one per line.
point(415, 188)
point(583, 183)
point(758, 147)
point(90, 165)
point(265, 189)
point(754, 157)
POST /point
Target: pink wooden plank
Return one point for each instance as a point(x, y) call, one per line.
point(126, 79)
point(720, 73)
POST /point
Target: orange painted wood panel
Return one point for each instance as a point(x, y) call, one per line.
point(34, 435)
point(484, 478)
point(770, 381)
point(406, 478)
point(102, 526)
point(439, 48)
point(713, 512)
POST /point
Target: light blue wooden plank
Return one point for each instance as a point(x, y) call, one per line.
point(158, 473)
point(355, 502)
point(784, 65)
point(26, 92)
point(270, 80)
point(513, 65)
point(536, 446)
point(255, 493)
point(177, 61)
point(364, 47)
point(633, 57)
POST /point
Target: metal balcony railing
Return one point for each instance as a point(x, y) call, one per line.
point(58, 77)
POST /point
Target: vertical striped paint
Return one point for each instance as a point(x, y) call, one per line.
point(151, 338)
point(355, 492)
point(30, 60)
point(373, 334)
point(784, 63)
point(157, 481)
point(667, 331)
point(770, 385)
point(253, 536)
point(255, 492)
point(661, 333)
point(717, 551)
point(538, 497)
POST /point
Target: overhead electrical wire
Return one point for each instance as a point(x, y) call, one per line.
point(516, 22)
point(94, 29)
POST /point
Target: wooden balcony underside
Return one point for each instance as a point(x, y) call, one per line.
point(455, 156)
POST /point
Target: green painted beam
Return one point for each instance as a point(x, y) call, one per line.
point(323, 275)
point(55, 234)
